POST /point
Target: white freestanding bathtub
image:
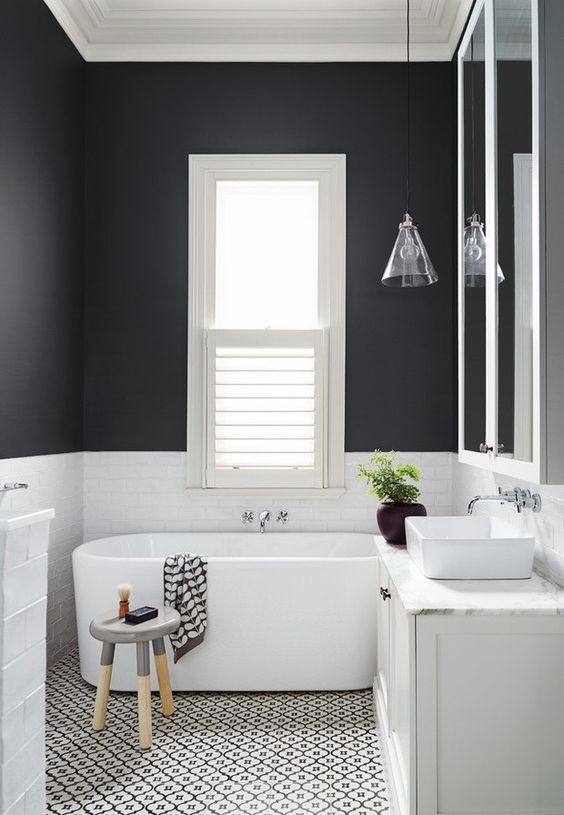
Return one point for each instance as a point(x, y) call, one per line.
point(286, 611)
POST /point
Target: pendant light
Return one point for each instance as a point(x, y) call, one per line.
point(409, 264)
point(474, 235)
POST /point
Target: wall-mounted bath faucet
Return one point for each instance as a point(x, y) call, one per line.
point(264, 517)
point(521, 499)
point(13, 485)
point(248, 516)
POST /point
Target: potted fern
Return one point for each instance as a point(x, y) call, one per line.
point(394, 485)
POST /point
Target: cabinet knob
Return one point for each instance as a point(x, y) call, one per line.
point(485, 448)
point(386, 594)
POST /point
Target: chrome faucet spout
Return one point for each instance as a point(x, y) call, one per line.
point(478, 498)
point(264, 518)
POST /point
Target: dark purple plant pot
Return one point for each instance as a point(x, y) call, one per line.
point(391, 520)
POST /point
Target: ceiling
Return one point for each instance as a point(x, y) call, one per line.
point(260, 30)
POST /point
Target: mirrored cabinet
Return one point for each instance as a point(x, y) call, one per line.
point(510, 224)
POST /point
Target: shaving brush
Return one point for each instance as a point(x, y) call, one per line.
point(124, 590)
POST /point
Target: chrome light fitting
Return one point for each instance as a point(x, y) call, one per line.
point(474, 235)
point(409, 264)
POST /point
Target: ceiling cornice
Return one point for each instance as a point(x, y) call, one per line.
point(288, 31)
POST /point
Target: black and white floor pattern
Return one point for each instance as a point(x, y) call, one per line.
point(220, 753)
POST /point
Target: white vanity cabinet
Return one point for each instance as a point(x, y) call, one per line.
point(470, 693)
point(394, 689)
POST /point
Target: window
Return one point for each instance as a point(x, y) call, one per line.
point(266, 323)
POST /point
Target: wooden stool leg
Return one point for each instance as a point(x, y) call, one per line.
point(144, 695)
point(103, 689)
point(161, 665)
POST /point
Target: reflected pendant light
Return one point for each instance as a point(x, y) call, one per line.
point(409, 264)
point(474, 235)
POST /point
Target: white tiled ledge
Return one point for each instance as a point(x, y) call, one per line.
point(223, 492)
point(12, 519)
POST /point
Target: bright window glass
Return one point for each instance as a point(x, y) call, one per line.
point(266, 254)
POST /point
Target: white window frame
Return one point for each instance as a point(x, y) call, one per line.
point(204, 171)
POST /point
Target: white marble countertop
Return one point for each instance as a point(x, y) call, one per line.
point(421, 595)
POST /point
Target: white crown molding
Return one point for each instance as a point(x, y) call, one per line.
point(462, 14)
point(288, 31)
point(69, 25)
point(285, 52)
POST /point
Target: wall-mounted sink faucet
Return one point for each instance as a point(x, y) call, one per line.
point(521, 499)
point(13, 485)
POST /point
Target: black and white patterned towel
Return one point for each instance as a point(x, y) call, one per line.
point(186, 590)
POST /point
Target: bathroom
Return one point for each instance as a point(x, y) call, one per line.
point(200, 204)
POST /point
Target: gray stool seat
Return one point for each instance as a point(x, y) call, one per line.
point(107, 627)
point(112, 631)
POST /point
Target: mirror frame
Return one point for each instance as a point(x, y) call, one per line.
point(528, 471)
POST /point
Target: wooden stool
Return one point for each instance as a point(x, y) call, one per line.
point(110, 630)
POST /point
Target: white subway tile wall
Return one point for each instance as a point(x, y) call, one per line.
point(547, 525)
point(136, 492)
point(54, 481)
point(23, 589)
point(107, 493)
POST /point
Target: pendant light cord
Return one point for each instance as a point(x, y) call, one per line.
point(408, 69)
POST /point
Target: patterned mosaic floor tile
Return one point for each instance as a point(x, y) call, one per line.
point(220, 754)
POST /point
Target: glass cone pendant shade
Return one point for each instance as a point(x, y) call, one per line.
point(475, 254)
point(409, 264)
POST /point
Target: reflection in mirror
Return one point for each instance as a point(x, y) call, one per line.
point(514, 225)
point(474, 235)
point(473, 293)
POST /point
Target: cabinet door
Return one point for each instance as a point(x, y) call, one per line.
point(500, 331)
point(490, 716)
point(382, 673)
point(401, 701)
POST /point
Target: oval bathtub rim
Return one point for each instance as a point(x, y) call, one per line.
point(213, 559)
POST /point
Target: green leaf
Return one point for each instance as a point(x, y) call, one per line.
point(389, 482)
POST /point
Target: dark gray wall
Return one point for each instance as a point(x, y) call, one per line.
point(41, 227)
point(142, 122)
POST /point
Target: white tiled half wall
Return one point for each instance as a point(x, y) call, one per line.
point(23, 589)
point(136, 492)
point(547, 526)
point(54, 482)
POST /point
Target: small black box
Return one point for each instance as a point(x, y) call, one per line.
point(141, 615)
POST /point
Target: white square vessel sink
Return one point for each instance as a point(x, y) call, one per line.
point(472, 547)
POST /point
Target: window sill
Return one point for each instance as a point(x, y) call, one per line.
point(281, 492)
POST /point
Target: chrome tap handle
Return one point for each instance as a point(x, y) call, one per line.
point(527, 500)
point(282, 516)
point(247, 517)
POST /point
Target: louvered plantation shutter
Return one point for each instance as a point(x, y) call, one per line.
point(265, 408)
